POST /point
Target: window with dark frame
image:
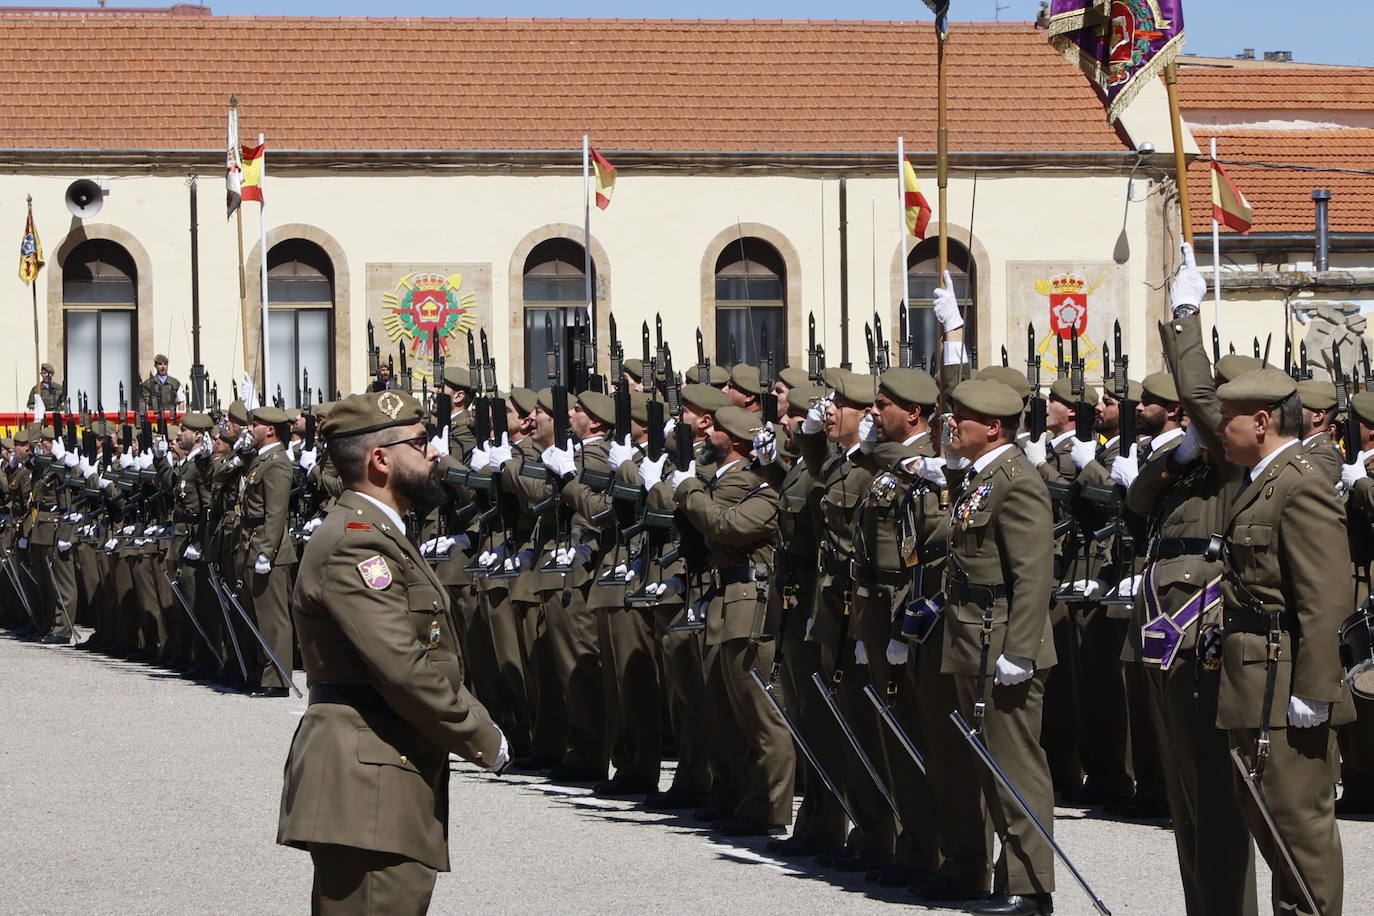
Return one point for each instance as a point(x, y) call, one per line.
point(922, 279)
point(100, 323)
point(554, 291)
point(300, 331)
point(751, 303)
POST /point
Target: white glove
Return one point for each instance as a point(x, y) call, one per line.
point(625, 573)
point(1036, 450)
point(815, 417)
point(1187, 287)
point(1353, 472)
point(1307, 713)
point(1090, 588)
point(559, 460)
point(1013, 669)
point(431, 547)
point(71, 459)
point(58, 449)
point(248, 392)
point(573, 556)
point(235, 462)
point(926, 468)
point(1080, 452)
point(952, 461)
point(263, 566)
point(109, 545)
point(480, 459)
point(310, 526)
point(766, 445)
point(518, 563)
point(502, 755)
point(868, 433)
point(64, 546)
point(307, 459)
point(440, 442)
point(244, 443)
point(897, 652)
point(144, 461)
point(498, 455)
point(192, 552)
point(1126, 468)
point(619, 453)
point(668, 426)
point(947, 307)
point(681, 477)
point(1189, 447)
point(669, 589)
point(207, 444)
point(1127, 587)
point(860, 652)
point(159, 446)
point(487, 557)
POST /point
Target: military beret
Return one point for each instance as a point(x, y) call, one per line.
point(47, 432)
point(525, 400)
point(99, 428)
point(910, 386)
point(1060, 391)
point(799, 398)
point(544, 399)
point(238, 413)
point(322, 410)
point(830, 374)
point(1234, 365)
point(1258, 386)
point(1362, 404)
point(272, 416)
point(856, 388)
point(634, 368)
point(47, 367)
point(1317, 394)
point(1014, 379)
point(639, 406)
point(23, 436)
point(6, 442)
point(746, 378)
point(718, 376)
point(160, 358)
point(707, 397)
point(1160, 385)
point(367, 413)
point(292, 413)
point(737, 421)
point(793, 377)
point(600, 406)
point(457, 377)
point(197, 421)
point(988, 397)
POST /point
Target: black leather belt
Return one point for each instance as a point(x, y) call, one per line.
point(186, 517)
point(1169, 548)
point(995, 591)
point(1253, 622)
point(359, 696)
point(252, 521)
point(880, 576)
point(738, 574)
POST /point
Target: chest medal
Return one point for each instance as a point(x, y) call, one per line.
point(433, 634)
point(967, 507)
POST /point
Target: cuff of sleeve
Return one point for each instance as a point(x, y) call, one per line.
point(955, 353)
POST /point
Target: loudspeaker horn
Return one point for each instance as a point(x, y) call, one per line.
point(85, 198)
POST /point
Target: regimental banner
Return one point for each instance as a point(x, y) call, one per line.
point(407, 302)
point(1061, 299)
point(1119, 44)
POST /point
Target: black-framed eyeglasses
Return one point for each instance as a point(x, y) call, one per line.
point(419, 443)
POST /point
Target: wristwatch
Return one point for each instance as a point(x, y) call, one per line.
point(1183, 311)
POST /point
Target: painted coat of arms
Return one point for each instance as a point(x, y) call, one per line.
point(1068, 294)
point(424, 305)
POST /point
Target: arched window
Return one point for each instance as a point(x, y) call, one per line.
point(922, 277)
point(100, 316)
point(555, 295)
point(300, 295)
point(751, 303)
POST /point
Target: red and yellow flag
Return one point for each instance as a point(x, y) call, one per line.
point(605, 179)
point(1229, 206)
point(250, 187)
point(917, 207)
point(30, 250)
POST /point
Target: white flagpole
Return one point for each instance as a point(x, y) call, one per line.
point(262, 244)
point(901, 217)
point(1216, 257)
point(587, 226)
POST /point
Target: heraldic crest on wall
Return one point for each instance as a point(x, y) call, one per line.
point(1068, 293)
point(424, 303)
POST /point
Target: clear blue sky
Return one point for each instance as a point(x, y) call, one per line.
point(1339, 34)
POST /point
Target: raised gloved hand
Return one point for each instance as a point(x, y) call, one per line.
point(263, 566)
point(815, 416)
point(651, 471)
point(1037, 450)
point(310, 526)
point(1080, 452)
point(860, 652)
point(159, 446)
point(1187, 287)
point(1127, 587)
point(192, 552)
point(868, 433)
point(1353, 472)
point(1013, 669)
point(144, 461)
point(947, 306)
point(126, 461)
point(85, 467)
point(59, 449)
point(480, 459)
point(244, 443)
point(440, 442)
point(308, 459)
point(207, 444)
point(669, 425)
point(681, 477)
point(669, 588)
point(926, 468)
point(64, 546)
point(952, 461)
point(1189, 447)
point(897, 652)
point(499, 453)
point(1126, 468)
point(1303, 713)
point(766, 445)
point(619, 452)
point(559, 460)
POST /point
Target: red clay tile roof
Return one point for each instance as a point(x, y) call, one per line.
point(1282, 198)
point(338, 84)
point(1284, 87)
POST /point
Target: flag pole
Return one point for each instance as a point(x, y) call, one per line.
point(1180, 158)
point(262, 245)
point(901, 216)
point(941, 175)
point(1216, 259)
point(587, 239)
point(33, 289)
point(238, 225)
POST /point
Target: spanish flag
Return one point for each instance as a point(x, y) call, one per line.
point(30, 250)
point(917, 207)
point(1229, 206)
point(605, 179)
point(251, 185)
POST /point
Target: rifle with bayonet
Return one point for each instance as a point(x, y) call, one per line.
point(1350, 437)
point(1036, 409)
point(815, 353)
point(768, 398)
point(884, 357)
point(906, 346)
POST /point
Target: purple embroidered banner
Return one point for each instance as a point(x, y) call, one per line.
point(1119, 44)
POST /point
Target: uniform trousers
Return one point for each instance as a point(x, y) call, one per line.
point(269, 601)
point(504, 626)
point(684, 671)
point(634, 662)
point(761, 763)
point(573, 639)
point(361, 882)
